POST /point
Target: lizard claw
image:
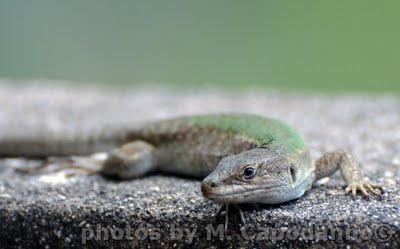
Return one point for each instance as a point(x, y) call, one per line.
point(364, 187)
point(225, 207)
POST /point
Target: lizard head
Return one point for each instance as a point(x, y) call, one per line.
point(259, 175)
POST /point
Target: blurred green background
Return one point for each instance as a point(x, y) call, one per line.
point(323, 45)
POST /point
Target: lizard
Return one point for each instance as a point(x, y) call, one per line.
point(243, 158)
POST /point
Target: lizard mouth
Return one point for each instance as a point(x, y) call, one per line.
point(240, 194)
point(267, 193)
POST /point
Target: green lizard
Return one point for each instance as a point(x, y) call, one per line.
point(244, 158)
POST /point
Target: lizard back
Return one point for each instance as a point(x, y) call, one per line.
point(202, 141)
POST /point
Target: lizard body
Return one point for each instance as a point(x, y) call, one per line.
point(244, 158)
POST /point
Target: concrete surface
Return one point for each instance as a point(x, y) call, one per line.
point(51, 211)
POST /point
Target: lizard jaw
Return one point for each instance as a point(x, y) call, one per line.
point(237, 194)
point(271, 193)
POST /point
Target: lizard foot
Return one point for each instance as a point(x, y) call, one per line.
point(31, 170)
point(364, 187)
point(226, 207)
point(51, 165)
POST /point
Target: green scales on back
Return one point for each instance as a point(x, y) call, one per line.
point(265, 131)
point(262, 131)
point(203, 140)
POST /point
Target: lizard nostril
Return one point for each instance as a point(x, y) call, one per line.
point(212, 184)
point(207, 186)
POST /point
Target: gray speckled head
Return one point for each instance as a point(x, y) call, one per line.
point(259, 176)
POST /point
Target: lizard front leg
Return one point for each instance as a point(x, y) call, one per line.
point(330, 162)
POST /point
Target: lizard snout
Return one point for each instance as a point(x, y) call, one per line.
point(207, 187)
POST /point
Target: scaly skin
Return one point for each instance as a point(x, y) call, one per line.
point(244, 158)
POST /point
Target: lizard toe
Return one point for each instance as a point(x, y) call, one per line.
point(365, 188)
point(374, 188)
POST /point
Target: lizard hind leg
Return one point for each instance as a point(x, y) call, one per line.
point(129, 161)
point(78, 164)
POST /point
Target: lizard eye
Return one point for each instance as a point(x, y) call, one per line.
point(249, 172)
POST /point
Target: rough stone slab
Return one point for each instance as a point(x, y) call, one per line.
point(40, 211)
